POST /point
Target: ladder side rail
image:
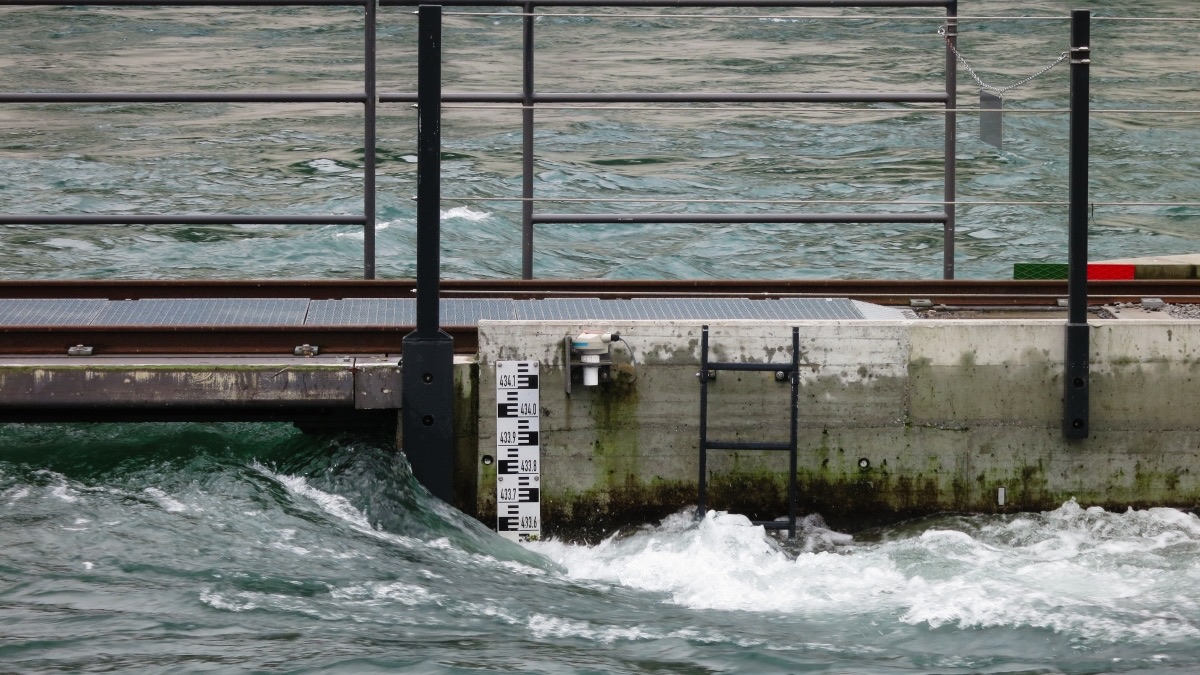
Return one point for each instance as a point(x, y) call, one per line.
point(793, 490)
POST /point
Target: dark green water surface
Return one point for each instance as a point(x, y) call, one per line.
point(188, 548)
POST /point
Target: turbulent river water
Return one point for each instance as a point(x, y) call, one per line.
point(184, 548)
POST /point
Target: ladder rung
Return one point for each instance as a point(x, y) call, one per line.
point(745, 445)
point(762, 367)
point(772, 524)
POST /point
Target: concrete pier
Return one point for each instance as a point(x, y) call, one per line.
point(897, 419)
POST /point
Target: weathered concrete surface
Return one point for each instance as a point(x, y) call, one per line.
point(943, 413)
point(199, 382)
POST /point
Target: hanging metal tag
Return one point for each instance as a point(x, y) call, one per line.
point(991, 120)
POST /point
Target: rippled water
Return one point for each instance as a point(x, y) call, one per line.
point(307, 158)
point(188, 548)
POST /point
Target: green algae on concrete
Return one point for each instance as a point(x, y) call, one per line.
point(942, 415)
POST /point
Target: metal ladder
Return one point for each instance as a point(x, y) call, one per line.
point(792, 372)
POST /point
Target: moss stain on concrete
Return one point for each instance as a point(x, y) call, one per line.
point(615, 418)
point(466, 437)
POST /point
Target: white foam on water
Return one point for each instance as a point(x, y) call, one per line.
point(1083, 572)
point(14, 495)
point(494, 611)
point(542, 626)
point(335, 505)
point(168, 503)
point(220, 601)
point(465, 213)
point(325, 165)
point(290, 548)
point(339, 507)
point(391, 592)
point(245, 601)
point(65, 493)
point(456, 213)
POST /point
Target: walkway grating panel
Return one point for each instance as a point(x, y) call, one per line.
point(56, 312)
point(787, 309)
point(402, 311)
point(205, 312)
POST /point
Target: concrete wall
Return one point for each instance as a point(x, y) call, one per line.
point(897, 419)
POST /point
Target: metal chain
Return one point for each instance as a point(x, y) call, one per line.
point(999, 90)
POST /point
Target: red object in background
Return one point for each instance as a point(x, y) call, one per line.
point(1100, 272)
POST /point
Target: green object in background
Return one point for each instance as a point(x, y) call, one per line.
point(1039, 271)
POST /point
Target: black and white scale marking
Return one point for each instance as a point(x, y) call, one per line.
point(518, 451)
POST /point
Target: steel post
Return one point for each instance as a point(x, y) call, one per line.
point(428, 371)
point(702, 480)
point(369, 103)
point(1075, 381)
point(527, 144)
point(951, 142)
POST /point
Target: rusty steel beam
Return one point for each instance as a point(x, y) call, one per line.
point(887, 292)
point(109, 340)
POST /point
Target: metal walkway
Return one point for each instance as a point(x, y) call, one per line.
point(273, 312)
point(51, 326)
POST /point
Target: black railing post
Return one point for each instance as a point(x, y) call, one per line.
point(371, 100)
point(1076, 367)
point(527, 144)
point(703, 375)
point(428, 371)
point(950, 151)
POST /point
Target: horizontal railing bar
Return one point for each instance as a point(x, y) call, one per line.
point(185, 3)
point(197, 219)
point(180, 97)
point(733, 218)
point(1181, 19)
point(862, 111)
point(494, 97)
point(750, 367)
point(682, 97)
point(654, 200)
point(745, 445)
point(799, 17)
point(676, 3)
point(859, 202)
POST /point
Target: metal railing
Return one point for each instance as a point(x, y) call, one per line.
point(366, 98)
point(530, 97)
